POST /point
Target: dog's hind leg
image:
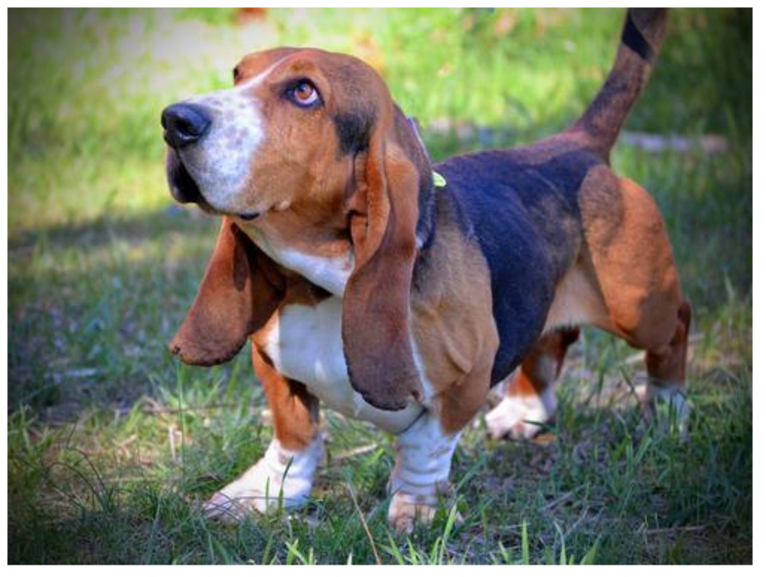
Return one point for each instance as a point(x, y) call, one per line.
point(666, 368)
point(635, 273)
point(530, 400)
point(665, 396)
point(285, 474)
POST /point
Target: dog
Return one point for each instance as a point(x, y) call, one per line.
point(398, 292)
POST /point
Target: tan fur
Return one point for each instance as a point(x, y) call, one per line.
point(542, 365)
point(453, 323)
point(624, 281)
point(239, 292)
point(632, 259)
point(578, 300)
point(294, 411)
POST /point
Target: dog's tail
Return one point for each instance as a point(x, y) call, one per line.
point(642, 37)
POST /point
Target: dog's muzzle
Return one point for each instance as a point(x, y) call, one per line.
point(186, 124)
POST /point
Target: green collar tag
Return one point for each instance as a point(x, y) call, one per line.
point(439, 180)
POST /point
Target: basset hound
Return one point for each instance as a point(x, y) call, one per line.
point(363, 285)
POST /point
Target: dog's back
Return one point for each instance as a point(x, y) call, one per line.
point(524, 214)
point(522, 205)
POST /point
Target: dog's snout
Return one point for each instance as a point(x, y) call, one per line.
point(184, 124)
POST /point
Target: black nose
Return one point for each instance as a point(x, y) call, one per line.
point(184, 124)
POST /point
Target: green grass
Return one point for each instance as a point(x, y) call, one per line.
point(111, 442)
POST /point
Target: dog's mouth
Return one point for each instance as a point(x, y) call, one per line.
point(185, 190)
point(182, 186)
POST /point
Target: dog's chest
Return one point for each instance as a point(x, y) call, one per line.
point(329, 272)
point(305, 345)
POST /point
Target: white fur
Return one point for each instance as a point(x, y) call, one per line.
point(428, 388)
point(330, 273)
point(221, 161)
point(667, 402)
point(424, 457)
point(306, 345)
point(519, 416)
point(423, 461)
point(280, 475)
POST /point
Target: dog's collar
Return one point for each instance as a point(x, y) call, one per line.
point(438, 179)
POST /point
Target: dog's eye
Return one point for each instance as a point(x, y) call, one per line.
point(235, 73)
point(304, 94)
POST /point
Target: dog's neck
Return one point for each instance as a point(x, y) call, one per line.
point(426, 202)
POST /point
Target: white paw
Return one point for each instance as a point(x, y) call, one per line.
point(521, 417)
point(281, 477)
point(668, 409)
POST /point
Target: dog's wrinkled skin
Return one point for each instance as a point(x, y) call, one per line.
point(363, 287)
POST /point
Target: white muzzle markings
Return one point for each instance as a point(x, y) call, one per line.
point(220, 163)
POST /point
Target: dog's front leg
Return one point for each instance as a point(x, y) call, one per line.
point(423, 458)
point(285, 474)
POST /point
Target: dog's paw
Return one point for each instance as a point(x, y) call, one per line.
point(520, 417)
point(668, 409)
point(406, 510)
point(280, 479)
point(257, 491)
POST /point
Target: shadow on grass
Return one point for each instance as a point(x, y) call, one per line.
point(104, 230)
point(91, 306)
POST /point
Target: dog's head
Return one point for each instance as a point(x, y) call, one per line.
point(307, 128)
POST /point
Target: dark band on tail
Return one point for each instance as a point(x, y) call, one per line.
point(633, 39)
point(600, 124)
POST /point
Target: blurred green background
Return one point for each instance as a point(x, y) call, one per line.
point(102, 267)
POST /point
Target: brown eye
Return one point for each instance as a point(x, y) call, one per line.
point(304, 94)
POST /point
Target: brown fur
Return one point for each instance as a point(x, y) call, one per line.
point(383, 221)
point(298, 178)
point(332, 202)
point(601, 122)
point(239, 292)
point(453, 324)
point(294, 411)
point(624, 281)
point(667, 364)
point(632, 259)
point(543, 364)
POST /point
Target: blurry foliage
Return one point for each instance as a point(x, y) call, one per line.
point(89, 82)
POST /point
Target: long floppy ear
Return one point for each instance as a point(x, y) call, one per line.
point(376, 304)
point(239, 292)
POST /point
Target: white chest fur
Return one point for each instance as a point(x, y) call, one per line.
point(330, 273)
point(306, 345)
